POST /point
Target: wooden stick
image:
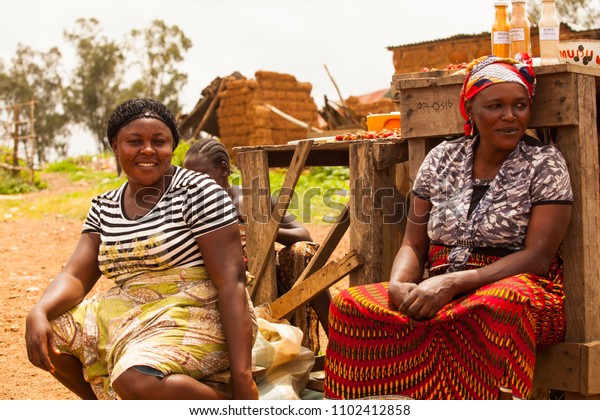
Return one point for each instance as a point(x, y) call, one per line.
point(315, 284)
point(336, 88)
point(292, 119)
point(209, 110)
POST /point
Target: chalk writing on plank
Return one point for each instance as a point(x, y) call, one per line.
point(436, 106)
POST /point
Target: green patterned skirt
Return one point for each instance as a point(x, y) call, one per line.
point(167, 320)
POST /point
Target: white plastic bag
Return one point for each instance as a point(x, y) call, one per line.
point(278, 349)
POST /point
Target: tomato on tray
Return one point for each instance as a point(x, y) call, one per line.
point(370, 135)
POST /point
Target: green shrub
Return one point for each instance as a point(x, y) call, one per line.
point(19, 184)
point(320, 194)
point(179, 152)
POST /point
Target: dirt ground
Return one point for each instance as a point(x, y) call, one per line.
point(31, 253)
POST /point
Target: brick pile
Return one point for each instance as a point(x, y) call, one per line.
point(244, 120)
point(381, 106)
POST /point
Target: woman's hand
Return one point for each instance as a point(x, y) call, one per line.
point(39, 339)
point(428, 297)
point(398, 292)
point(69, 288)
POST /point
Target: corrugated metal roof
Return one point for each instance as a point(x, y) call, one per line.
point(453, 37)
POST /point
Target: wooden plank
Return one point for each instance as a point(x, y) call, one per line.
point(417, 150)
point(388, 199)
point(319, 363)
point(315, 284)
point(579, 146)
point(590, 368)
point(365, 219)
point(393, 211)
point(329, 245)
point(282, 158)
point(257, 207)
point(569, 367)
point(431, 112)
point(386, 155)
point(320, 147)
point(315, 384)
point(558, 367)
point(554, 104)
point(261, 259)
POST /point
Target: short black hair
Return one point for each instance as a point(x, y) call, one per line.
point(135, 108)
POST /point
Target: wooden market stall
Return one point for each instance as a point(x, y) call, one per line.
point(381, 173)
point(565, 111)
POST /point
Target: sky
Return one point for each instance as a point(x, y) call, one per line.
point(297, 37)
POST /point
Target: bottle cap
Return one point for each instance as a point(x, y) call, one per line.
point(501, 3)
point(518, 1)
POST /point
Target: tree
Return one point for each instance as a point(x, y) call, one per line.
point(35, 76)
point(584, 14)
point(159, 48)
point(96, 85)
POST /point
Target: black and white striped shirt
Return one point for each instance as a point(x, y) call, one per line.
point(164, 238)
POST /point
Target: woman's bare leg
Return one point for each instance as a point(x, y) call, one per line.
point(135, 385)
point(70, 373)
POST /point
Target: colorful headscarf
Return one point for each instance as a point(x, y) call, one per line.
point(488, 70)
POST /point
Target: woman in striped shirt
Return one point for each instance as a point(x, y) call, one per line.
point(179, 310)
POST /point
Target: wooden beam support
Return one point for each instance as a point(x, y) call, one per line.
point(257, 207)
point(315, 284)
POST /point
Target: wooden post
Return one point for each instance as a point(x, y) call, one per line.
point(16, 112)
point(261, 259)
point(366, 223)
point(32, 139)
point(254, 166)
point(579, 146)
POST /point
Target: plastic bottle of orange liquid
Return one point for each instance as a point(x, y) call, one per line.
point(520, 41)
point(549, 33)
point(501, 30)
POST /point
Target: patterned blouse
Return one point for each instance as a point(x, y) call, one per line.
point(533, 174)
point(164, 238)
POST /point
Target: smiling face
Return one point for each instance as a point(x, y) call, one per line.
point(144, 148)
point(501, 113)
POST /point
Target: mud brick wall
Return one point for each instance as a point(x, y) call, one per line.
point(244, 120)
point(383, 106)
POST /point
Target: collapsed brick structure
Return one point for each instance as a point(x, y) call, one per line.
point(379, 102)
point(245, 120)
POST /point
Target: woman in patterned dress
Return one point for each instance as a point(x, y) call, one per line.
point(488, 214)
point(179, 309)
point(210, 157)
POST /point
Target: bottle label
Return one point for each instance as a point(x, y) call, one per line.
point(501, 38)
point(517, 34)
point(549, 34)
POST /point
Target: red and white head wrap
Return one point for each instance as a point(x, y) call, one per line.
point(488, 70)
